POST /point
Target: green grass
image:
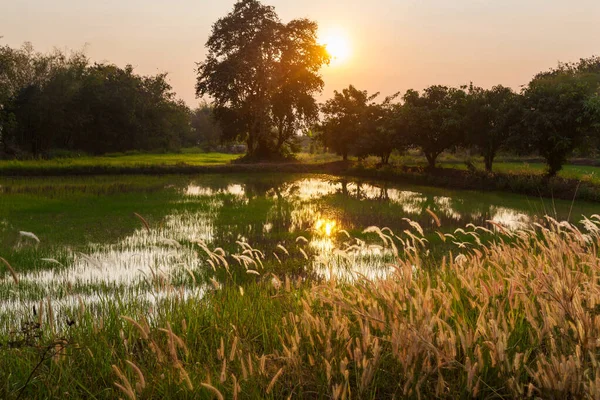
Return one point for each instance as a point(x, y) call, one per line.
point(508, 317)
point(303, 325)
point(503, 164)
point(124, 161)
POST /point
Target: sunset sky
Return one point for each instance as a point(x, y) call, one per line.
point(395, 44)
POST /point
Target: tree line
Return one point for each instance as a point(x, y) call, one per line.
point(262, 76)
point(556, 113)
point(60, 101)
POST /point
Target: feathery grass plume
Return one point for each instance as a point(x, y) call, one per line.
point(215, 283)
point(253, 272)
point(29, 235)
point(233, 348)
point(190, 273)
point(141, 383)
point(301, 239)
point(125, 385)
point(146, 225)
point(214, 390)
point(11, 270)
point(139, 327)
point(441, 236)
point(500, 227)
point(303, 254)
point(185, 377)
point(374, 229)
point(434, 216)
point(280, 247)
point(345, 232)
point(415, 225)
point(274, 380)
point(223, 376)
point(236, 387)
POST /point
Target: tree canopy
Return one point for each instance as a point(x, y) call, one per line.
point(492, 119)
point(560, 110)
point(60, 101)
point(263, 75)
point(435, 119)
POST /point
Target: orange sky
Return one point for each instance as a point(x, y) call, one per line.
point(396, 44)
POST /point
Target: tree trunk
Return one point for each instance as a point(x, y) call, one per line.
point(431, 157)
point(555, 163)
point(385, 158)
point(489, 160)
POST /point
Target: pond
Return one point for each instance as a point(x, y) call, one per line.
point(140, 238)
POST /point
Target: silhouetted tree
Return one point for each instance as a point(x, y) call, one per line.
point(59, 101)
point(263, 75)
point(435, 119)
point(383, 131)
point(560, 110)
point(346, 119)
point(492, 117)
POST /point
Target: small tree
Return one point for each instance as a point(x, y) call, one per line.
point(346, 119)
point(206, 130)
point(559, 111)
point(492, 117)
point(383, 130)
point(435, 119)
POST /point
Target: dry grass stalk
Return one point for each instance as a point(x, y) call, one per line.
point(214, 390)
point(146, 224)
point(11, 270)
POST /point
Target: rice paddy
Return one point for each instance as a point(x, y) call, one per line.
point(301, 286)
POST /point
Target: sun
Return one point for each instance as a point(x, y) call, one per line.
point(338, 45)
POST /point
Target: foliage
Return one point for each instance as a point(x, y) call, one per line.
point(492, 119)
point(263, 75)
point(60, 101)
point(348, 116)
point(206, 131)
point(560, 110)
point(435, 120)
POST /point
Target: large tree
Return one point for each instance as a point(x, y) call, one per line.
point(262, 75)
point(435, 119)
point(560, 110)
point(493, 117)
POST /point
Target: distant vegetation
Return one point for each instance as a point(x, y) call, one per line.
point(262, 76)
point(557, 113)
point(60, 104)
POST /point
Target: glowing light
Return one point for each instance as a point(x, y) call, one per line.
point(325, 227)
point(338, 45)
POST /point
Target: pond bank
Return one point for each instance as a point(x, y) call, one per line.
point(528, 184)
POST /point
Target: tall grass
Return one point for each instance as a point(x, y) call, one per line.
point(517, 316)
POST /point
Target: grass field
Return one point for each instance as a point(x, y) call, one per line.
point(104, 307)
point(508, 165)
point(124, 161)
point(512, 319)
